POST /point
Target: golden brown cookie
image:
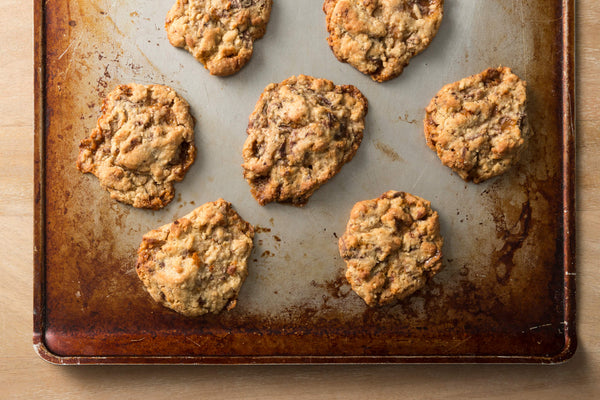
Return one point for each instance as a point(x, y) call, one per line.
point(391, 246)
point(379, 37)
point(301, 133)
point(478, 126)
point(218, 33)
point(197, 264)
point(143, 142)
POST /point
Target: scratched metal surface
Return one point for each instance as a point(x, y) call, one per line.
point(500, 296)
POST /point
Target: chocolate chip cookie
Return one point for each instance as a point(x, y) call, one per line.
point(379, 37)
point(391, 246)
point(143, 142)
point(301, 133)
point(218, 33)
point(198, 263)
point(478, 126)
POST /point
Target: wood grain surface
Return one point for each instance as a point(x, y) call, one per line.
point(24, 375)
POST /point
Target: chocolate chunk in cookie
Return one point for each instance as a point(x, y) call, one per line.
point(301, 133)
point(143, 142)
point(391, 246)
point(197, 264)
point(379, 37)
point(218, 33)
point(478, 126)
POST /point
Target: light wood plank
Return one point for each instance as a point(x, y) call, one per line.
point(24, 376)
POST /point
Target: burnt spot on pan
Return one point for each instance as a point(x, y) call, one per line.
point(267, 253)
point(261, 229)
point(337, 288)
point(513, 238)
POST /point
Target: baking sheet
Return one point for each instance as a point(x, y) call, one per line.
point(506, 293)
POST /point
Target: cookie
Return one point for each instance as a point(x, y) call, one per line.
point(143, 142)
point(392, 246)
point(198, 263)
point(379, 37)
point(478, 126)
point(218, 33)
point(301, 133)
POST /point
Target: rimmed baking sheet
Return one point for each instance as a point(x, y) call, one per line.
point(506, 293)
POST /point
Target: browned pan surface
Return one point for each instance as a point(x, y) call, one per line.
point(506, 293)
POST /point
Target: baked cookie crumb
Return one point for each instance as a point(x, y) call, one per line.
point(143, 142)
point(392, 245)
point(198, 263)
point(478, 126)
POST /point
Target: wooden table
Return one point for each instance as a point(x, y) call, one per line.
point(24, 375)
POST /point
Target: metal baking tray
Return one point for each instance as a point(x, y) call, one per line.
point(506, 295)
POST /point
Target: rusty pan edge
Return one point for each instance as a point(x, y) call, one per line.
point(38, 177)
point(569, 180)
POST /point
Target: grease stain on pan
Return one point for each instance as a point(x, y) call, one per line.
point(407, 119)
point(388, 151)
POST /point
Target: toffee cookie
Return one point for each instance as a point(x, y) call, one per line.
point(391, 246)
point(143, 142)
point(218, 33)
point(301, 133)
point(379, 37)
point(197, 264)
point(478, 126)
